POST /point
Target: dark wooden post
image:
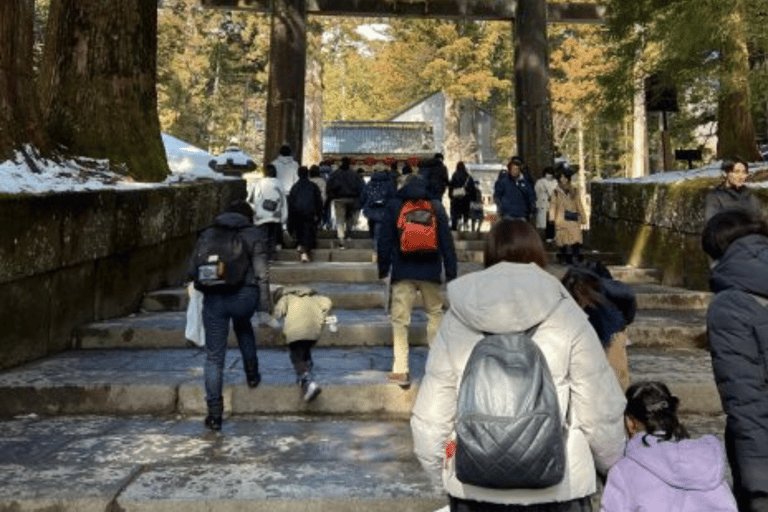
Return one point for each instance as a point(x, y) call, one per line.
point(534, 115)
point(287, 70)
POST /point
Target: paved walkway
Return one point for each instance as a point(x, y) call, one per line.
point(100, 463)
point(256, 463)
point(121, 430)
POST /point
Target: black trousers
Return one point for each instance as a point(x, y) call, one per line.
point(274, 235)
point(305, 230)
point(301, 356)
point(570, 254)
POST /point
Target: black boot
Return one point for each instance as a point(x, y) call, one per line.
point(213, 422)
point(252, 375)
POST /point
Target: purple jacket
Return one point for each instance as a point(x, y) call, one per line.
point(683, 476)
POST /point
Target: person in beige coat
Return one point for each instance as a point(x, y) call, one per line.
point(567, 212)
point(305, 314)
point(512, 294)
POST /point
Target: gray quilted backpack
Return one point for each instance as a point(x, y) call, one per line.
point(508, 429)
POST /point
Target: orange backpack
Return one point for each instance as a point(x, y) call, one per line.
point(417, 225)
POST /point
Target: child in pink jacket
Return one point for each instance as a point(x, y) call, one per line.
point(662, 470)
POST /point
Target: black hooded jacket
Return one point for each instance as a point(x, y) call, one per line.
point(427, 267)
point(737, 331)
point(255, 241)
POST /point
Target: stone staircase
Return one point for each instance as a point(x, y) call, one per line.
point(120, 416)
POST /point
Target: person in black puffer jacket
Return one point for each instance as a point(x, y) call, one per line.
point(514, 196)
point(220, 307)
point(379, 189)
point(435, 175)
point(461, 190)
point(737, 332)
point(343, 188)
point(305, 209)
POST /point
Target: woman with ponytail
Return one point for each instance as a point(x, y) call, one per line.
point(662, 469)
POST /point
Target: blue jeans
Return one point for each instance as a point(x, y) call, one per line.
point(218, 310)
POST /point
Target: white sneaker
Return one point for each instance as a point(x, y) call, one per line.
point(309, 390)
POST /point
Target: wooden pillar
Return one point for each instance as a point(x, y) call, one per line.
point(533, 111)
point(287, 71)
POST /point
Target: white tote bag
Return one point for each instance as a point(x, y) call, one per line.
point(195, 331)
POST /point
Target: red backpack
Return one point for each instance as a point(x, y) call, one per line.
point(417, 225)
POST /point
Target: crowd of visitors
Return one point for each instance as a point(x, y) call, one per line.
point(572, 360)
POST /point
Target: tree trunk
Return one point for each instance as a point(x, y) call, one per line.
point(20, 120)
point(639, 127)
point(735, 129)
point(287, 73)
point(451, 132)
point(313, 115)
point(534, 114)
point(98, 83)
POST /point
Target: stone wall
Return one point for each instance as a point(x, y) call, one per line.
point(656, 225)
point(71, 258)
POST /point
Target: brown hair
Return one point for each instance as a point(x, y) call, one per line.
point(515, 241)
point(584, 286)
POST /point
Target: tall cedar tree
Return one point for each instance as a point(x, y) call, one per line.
point(98, 83)
point(20, 121)
point(692, 41)
point(212, 75)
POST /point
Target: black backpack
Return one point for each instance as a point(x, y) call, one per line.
point(220, 260)
point(508, 429)
point(378, 193)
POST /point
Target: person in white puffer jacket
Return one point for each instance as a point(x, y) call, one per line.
point(515, 293)
point(270, 207)
point(287, 168)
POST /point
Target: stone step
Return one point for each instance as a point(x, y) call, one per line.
point(461, 241)
point(367, 272)
point(351, 285)
point(668, 329)
point(363, 255)
point(656, 296)
point(364, 327)
point(635, 275)
point(366, 243)
point(355, 328)
point(353, 380)
point(256, 463)
point(465, 252)
point(372, 295)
